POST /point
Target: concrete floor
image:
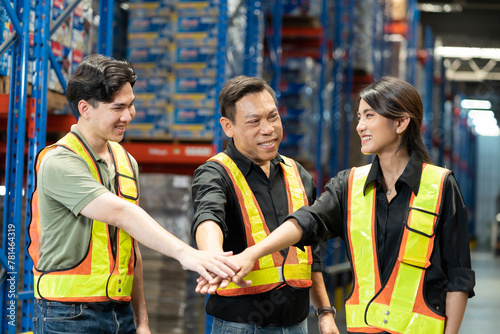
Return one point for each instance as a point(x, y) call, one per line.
point(481, 315)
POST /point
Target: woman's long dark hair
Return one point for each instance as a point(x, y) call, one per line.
point(394, 98)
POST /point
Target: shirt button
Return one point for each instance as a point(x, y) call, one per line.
point(385, 321)
point(119, 281)
point(119, 290)
point(280, 213)
point(387, 312)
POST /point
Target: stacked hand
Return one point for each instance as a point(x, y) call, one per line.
point(244, 261)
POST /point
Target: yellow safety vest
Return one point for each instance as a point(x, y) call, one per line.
point(270, 271)
point(103, 274)
point(398, 306)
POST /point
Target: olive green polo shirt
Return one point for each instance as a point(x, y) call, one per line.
point(65, 187)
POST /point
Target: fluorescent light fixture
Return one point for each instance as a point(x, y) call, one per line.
point(2, 190)
point(467, 53)
point(477, 113)
point(488, 130)
point(475, 104)
point(482, 122)
point(439, 8)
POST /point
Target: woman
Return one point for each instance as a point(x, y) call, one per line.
point(403, 220)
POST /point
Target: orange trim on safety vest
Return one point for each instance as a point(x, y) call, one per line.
point(89, 280)
point(398, 306)
point(269, 272)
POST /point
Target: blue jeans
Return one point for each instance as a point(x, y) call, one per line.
point(220, 326)
point(96, 318)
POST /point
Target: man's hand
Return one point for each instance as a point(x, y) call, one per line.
point(245, 261)
point(143, 330)
point(326, 324)
point(209, 264)
point(211, 287)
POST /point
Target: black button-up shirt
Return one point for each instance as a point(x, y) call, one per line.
point(450, 268)
point(215, 199)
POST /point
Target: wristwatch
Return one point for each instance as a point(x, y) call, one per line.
point(330, 309)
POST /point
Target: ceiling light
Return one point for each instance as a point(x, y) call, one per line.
point(476, 113)
point(440, 8)
point(484, 122)
point(467, 53)
point(475, 104)
point(488, 130)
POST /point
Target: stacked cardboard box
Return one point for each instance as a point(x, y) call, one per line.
point(5, 30)
point(173, 307)
point(173, 46)
point(72, 41)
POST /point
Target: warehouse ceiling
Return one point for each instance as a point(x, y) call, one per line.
point(468, 23)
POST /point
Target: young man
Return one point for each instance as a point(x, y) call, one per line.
point(86, 225)
point(242, 195)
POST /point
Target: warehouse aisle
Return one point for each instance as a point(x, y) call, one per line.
point(481, 315)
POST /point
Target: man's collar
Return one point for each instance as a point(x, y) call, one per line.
point(411, 175)
point(244, 164)
point(74, 129)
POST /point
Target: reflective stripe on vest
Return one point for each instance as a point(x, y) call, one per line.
point(101, 275)
point(272, 270)
point(398, 306)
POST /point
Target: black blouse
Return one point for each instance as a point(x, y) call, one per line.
point(450, 268)
point(214, 199)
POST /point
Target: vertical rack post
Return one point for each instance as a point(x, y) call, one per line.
point(429, 88)
point(275, 45)
point(338, 79)
point(14, 178)
point(349, 83)
point(253, 46)
point(105, 36)
point(413, 18)
point(323, 59)
point(221, 65)
point(441, 112)
point(37, 125)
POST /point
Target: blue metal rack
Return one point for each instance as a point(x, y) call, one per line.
point(413, 18)
point(428, 89)
point(321, 100)
point(221, 65)
point(441, 113)
point(274, 42)
point(252, 38)
point(14, 171)
point(378, 43)
point(16, 178)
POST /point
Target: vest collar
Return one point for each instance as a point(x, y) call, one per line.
point(411, 175)
point(97, 158)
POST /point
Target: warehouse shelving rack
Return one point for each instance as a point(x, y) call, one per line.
point(27, 117)
point(9, 256)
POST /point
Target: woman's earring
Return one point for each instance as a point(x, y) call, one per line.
point(398, 131)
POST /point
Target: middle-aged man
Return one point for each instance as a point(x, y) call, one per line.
point(242, 195)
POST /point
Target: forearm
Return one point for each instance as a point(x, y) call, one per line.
point(319, 297)
point(209, 236)
point(112, 210)
point(456, 301)
point(138, 300)
point(286, 235)
point(289, 233)
point(131, 218)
